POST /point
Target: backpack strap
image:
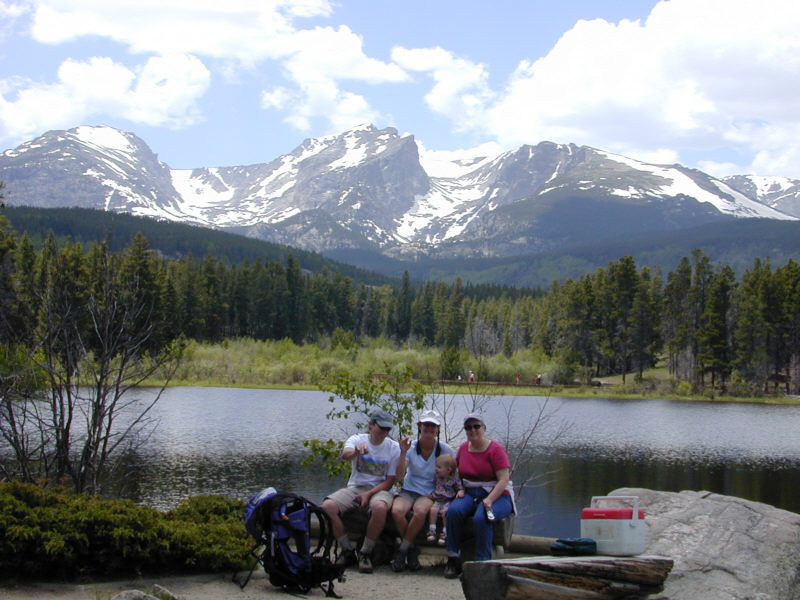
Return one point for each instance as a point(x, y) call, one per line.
point(253, 552)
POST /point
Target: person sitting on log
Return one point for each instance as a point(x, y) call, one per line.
point(485, 471)
point(447, 486)
point(417, 469)
point(374, 458)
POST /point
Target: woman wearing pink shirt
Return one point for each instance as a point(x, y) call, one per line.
point(485, 471)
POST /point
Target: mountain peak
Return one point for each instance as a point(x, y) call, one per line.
point(103, 136)
point(368, 188)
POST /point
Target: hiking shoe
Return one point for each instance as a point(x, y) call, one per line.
point(365, 563)
point(412, 559)
point(431, 535)
point(453, 567)
point(443, 539)
point(399, 560)
point(346, 559)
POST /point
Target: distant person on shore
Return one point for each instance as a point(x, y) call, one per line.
point(446, 488)
point(374, 457)
point(485, 471)
point(471, 377)
point(417, 469)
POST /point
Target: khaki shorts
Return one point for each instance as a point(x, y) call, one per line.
point(345, 496)
point(409, 496)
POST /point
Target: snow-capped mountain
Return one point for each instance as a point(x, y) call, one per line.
point(373, 189)
point(780, 193)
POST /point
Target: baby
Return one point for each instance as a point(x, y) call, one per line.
point(447, 486)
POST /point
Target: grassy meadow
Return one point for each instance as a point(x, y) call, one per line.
point(283, 364)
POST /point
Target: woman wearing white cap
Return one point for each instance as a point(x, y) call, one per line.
point(485, 471)
point(417, 469)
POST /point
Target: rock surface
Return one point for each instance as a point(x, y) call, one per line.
point(724, 548)
point(133, 595)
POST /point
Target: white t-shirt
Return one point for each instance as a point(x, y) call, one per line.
point(376, 465)
point(421, 472)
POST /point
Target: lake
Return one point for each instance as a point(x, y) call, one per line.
point(238, 441)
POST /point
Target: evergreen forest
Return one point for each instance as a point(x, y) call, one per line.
point(714, 330)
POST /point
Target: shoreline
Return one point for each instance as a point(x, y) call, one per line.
point(532, 391)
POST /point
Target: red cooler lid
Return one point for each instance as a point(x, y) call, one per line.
point(609, 513)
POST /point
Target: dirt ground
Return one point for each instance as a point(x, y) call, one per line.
point(383, 584)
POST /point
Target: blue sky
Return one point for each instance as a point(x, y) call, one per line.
point(712, 84)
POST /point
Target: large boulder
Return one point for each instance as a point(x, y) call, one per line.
point(724, 548)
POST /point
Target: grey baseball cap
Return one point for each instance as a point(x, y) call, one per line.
point(382, 418)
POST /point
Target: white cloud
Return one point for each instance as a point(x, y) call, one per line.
point(246, 33)
point(696, 74)
point(167, 90)
point(719, 169)
point(278, 98)
point(163, 92)
point(318, 61)
point(13, 10)
point(247, 30)
point(460, 89)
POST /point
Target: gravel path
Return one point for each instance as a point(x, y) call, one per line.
point(383, 584)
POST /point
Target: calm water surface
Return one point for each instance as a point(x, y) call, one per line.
point(237, 441)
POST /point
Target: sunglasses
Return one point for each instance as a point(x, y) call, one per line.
point(473, 426)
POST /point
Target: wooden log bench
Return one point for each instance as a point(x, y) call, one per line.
point(566, 578)
point(355, 522)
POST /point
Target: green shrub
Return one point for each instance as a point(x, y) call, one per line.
point(48, 534)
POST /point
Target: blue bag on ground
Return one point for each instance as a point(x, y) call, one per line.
point(573, 547)
point(280, 523)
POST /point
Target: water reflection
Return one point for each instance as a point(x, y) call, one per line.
point(235, 442)
point(579, 474)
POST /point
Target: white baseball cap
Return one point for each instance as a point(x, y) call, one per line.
point(430, 416)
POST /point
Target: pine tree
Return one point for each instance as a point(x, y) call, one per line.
point(714, 341)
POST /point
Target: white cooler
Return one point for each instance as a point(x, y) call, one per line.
point(618, 531)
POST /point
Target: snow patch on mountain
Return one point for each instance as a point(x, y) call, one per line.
point(104, 138)
point(355, 153)
point(771, 185)
point(456, 184)
point(452, 164)
point(677, 183)
point(198, 195)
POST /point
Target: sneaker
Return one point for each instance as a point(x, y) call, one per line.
point(412, 559)
point(399, 560)
point(443, 539)
point(365, 563)
point(453, 567)
point(431, 535)
point(346, 559)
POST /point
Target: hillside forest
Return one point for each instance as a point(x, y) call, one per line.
point(714, 330)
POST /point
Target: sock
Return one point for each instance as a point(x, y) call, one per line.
point(405, 545)
point(368, 546)
point(432, 527)
point(344, 542)
point(444, 532)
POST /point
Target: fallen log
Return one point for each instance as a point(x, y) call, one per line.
point(567, 578)
point(530, 544)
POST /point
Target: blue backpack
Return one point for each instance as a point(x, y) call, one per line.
point(280, 523)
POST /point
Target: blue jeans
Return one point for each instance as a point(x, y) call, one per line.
point(471, 507)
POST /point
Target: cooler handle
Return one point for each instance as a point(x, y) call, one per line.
point(635, 499)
